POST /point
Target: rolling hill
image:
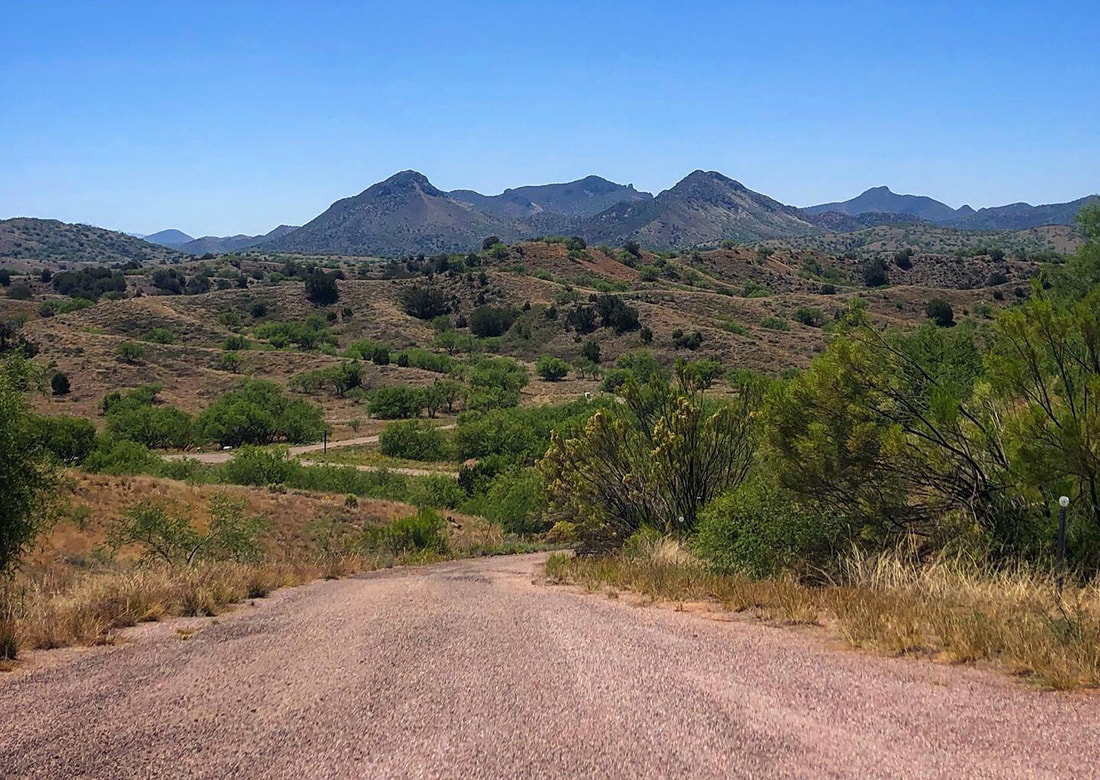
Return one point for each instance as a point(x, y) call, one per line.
point(223, 244)
point(52, 241)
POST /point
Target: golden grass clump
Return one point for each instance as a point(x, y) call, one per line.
point(956, 609)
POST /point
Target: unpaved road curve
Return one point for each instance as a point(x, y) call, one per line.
point(467, 669)
point(223, 456)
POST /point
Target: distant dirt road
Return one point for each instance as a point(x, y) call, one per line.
point(467, 669)
point(223, 456)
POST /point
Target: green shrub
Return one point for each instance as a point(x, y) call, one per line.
point(130, 352)
point(700, 373)
point(495, 382)
point(259, 412)
point(160, 336)
point(516, 500)
point(116, 456)
point(940, 312)
point(414, 440)
point(425, 359)
point(433, 491)
point(138, 416)
point(167, 533)
point(59, 383)
point(551, 368)
point(425, 531)
point(811, 317)
point(759, 530)
point(261, 466)
point(68, 439)
point(396, 402)
point(487, 321)
point(311, 334)
point(774, 323)
point(732, 327)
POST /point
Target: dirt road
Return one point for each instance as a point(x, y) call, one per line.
point(222, 456)
point(468, 669)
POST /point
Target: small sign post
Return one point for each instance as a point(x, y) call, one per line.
point(1063, 502)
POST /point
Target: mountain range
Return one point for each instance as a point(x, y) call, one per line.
point(180, 241)
point(407, 214)
point(1015, 216)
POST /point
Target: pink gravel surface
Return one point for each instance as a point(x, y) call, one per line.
point(470, 669)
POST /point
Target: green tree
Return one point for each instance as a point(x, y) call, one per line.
point(321, 289)
point(551, 368)
point(653, 462)
point(26, 477)
point(1045, 361)
point(940, 312)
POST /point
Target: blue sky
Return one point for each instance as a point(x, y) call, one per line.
point(227, 117)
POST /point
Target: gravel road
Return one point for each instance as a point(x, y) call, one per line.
point(469, 669)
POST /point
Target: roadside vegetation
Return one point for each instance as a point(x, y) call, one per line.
point(904, 487)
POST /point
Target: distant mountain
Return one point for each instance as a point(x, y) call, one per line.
point(61, 242)
point(882, 200)
point(705, 207)
point(223, 244)
point(403, 214)
point(1020, 216)
point(172, 238)
point(582, 198)
point(1016, 216)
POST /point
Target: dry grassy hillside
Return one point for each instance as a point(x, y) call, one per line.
point(767, 310)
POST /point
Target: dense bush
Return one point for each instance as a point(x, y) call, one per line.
point(310, 334)
point(523, 434)
point(758, 529)
point(130, 352)
point(116, 456)
point(396, 402)
point(875, 274)
point(615, 314)
point(424, 301)
point(59, 383)
point(488, 321)
point(940, 312)
point(321, 289)
point(414, 440)
point(654, 461)
point(68, 439)
point(139, 416)
point(516, 500)
point(89, 283)
point(340, 379)
point(259, 412)
point(811, 317)
point(581, 319)
point(551, 368)
point(423, 532)
point(495, 382)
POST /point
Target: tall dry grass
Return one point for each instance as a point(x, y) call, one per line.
point(953, 608)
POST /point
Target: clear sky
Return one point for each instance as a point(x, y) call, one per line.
point(232, 117)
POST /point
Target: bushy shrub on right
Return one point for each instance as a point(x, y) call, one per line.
point(758, 529)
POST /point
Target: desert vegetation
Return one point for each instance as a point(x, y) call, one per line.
point(773, 415)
